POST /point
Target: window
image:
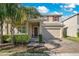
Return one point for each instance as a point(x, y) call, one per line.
point(55, 18)
point(47, 18)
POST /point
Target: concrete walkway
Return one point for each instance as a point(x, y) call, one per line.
point(62, 47)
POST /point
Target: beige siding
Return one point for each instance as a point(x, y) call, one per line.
point(71, 25)
point(78, 20)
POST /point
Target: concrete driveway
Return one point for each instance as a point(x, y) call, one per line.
point(62, 47)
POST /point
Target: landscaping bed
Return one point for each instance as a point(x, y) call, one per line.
point(17, 38)
point(24, 50)
point(33, 51)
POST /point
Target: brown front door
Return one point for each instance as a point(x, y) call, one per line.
point(35, 31)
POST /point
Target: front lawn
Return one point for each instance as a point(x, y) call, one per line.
point(76, 39)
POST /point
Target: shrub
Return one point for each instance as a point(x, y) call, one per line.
point(40, 38)
point(77, 34)
point(6, 38)
point(21, 38)
point(17, 38)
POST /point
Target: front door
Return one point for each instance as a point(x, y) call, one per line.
point(35, 31)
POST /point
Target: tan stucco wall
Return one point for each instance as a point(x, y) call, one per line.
point(71, 23)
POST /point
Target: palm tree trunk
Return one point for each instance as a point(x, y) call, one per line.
point(1, 31)
point(12, 34)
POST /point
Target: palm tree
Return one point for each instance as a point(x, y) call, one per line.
point(31, 12)
point(13, 16)
point(2, 18)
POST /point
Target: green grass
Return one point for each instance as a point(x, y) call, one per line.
point(31, 54)
point(75, 39)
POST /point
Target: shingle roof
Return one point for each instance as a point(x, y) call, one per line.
point(53, 24)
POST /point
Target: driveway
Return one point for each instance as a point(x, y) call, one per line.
point(62, 47)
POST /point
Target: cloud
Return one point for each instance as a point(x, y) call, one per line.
point(70, 6)
point(75, 12)
point(42, 9)
point(69, 9)
point(77, 3)
point(58, 13)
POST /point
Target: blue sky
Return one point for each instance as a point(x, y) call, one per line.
point(55, 8)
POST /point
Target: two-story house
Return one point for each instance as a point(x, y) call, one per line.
point(48, 25)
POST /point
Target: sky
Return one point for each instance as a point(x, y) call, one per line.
point(65, 9)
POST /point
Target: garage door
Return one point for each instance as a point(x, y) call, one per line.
point(49, 33)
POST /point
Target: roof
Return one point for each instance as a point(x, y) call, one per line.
point(70, 17)
point(53, 25)
point(37, 19)
point(52, 15)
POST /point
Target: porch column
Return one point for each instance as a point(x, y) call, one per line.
point(40, 27)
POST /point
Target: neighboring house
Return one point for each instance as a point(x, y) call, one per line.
point(71, 27)
point(49, 26)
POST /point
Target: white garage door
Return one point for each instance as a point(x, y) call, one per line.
point(49, 33)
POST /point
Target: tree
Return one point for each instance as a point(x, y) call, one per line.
point(2, 18)
point(16, 15)
point(13, 16)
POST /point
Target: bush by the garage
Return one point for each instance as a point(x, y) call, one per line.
point(40, 38)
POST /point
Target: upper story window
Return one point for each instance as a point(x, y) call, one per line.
point(55, 18)
point(47, 18)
